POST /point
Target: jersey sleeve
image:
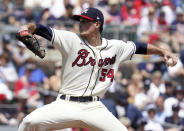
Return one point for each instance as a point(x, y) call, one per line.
point(62, 40)
point(126, 50)
point(43, 31)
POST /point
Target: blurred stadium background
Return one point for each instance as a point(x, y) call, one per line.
point(145, 95)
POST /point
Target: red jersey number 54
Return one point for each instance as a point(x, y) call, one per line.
point(105, 73)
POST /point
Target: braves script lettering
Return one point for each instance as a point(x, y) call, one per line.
point(82, 60)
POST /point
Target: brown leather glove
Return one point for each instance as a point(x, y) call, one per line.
point(31, 43)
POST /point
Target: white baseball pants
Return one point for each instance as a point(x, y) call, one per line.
point(62, 114)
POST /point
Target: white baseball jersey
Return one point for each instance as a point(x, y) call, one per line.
point(89, 70)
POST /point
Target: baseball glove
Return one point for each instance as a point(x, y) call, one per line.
point(31, 42)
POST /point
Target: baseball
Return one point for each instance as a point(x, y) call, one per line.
point(170, 62)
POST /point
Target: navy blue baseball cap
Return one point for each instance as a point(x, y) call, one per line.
point(92, 14)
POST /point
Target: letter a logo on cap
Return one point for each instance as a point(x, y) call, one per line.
point(85, 11)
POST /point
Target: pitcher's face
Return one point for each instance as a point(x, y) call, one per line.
point(86, 27)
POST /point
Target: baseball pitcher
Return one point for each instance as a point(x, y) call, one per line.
point(89, 65)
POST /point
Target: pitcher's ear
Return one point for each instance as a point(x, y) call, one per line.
point(98, 24)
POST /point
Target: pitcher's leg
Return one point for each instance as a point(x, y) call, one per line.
point(57, 115)
point(102, 120)
point(23, 127)
point(35, 118)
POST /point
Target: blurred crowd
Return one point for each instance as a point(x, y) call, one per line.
point(145, 95)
